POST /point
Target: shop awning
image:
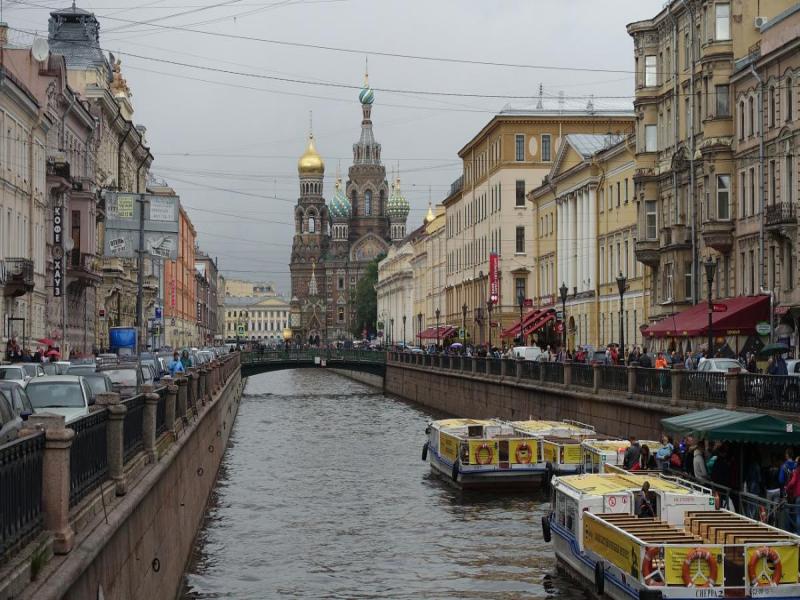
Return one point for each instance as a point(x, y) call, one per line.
point(717, 424)
point(531, 322)
point(445, 331)
point(739, 318)
point(527, 319)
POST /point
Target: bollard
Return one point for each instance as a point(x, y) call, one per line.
point(114, 439)
point(149, 424)
point(632, 379)
point(675, 379)
point(567, 373)
point(55, 478)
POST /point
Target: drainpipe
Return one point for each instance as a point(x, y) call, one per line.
point(762, 202)
point(690, 119)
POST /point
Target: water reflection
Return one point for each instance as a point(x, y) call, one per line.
point(323, 495)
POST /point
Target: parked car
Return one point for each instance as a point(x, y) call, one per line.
point(15, 408)
point(33, 370)
point(152, 361)
point(527, 352)
point(81, 370)
point(56, 368)
point(148, 373)
point(100, 383)
point(126, 378)
point(68, 395)
point(14, 373)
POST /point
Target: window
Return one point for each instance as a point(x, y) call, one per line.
point(687, 279)
point(752, 191)
point(520, 246)
point(618, 193)
point(519, 288)
point(651, 219)
point(368, 202)
point(626, 190)
point(312, 225)
point(520, 188)
point(519, 145)
point(340, 283)
point(546, 155)
point(687, 111)
point(723, 21)
point(723, 101)
point(772, 182)
point(752, 272)
point(742, 195)
point(340, 314)
point(650, 71)
point(650, 138)
point(687, 50)
point(789, 99)
point(772, 106)
point(788, 196)
point(751, 116)
point(723, 197)
point(741, 120)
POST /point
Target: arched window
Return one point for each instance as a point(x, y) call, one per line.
point(312, 225)
point(382, 208)
point(751, 112)
point(741, 119)
point(368, 202)
point(353, 198)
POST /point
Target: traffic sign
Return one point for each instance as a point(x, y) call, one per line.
point(240, 329)
point(719, 307)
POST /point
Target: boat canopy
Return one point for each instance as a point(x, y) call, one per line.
point(600, 485)
point(717, 424)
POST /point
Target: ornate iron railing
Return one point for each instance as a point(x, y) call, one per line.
point(553, 372)
point(132, 432)
point(582, 375)
point(20, 491)
point(88, 455)
point(770, 392)
point(703, 386)
point(614, 378)
point(653, 382)
point(531, 370)
point(495, 366)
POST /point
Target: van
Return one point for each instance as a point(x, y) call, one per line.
point(527, 352)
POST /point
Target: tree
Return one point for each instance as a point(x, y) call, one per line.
point(366, 300)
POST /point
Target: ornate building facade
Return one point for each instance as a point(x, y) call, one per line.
point(335, 241)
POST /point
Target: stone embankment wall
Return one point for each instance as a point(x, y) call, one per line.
point(138, 546)
point(369, 379)
point(479, 396)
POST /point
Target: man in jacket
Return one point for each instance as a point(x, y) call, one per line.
point(632, 453)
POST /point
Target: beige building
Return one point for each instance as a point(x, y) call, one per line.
point(395, 291)
point(240, 288)
point(488, 212)
point(585, 223)
point(428, 268)
point(256, 318)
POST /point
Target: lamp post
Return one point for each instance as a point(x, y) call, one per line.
point(464, 323)
point(419, 329)
point(563, 290)
point(404, 332)
point(391, 330)
point(437, 329)
point(489, 304)
point(521, 301)
point(711, 268)
point(621, 280)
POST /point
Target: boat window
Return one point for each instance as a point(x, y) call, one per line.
point(571, 514)
point(503, 451)
point(464, 451)
point(475, 431)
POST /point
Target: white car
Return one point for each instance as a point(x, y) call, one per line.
point(33, 370)
point(68, 395)
point(15, 373)
point(527, 352)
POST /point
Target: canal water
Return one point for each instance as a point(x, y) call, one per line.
point(322, 494)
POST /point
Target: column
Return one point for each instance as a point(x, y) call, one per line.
point(593, 236)
point(151, 400)
point(573, 223)
point(579, 228)
point(114, 439)
point(560, 240)
point(589, 241)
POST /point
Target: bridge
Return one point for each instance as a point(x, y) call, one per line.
point(364, 361)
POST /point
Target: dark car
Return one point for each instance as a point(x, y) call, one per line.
point(99, 383)
point(126, 378)
point(15, 408)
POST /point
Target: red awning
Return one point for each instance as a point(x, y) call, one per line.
point(542, 320)
point(531, 323)
point(527, 319)
point(740, 319)
point(445, 331)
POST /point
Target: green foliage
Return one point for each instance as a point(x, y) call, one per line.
point(366, 300)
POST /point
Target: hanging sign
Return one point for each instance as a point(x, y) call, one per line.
point(58, 256)
point(494, 278)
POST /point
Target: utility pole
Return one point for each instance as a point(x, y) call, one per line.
point(140, 274)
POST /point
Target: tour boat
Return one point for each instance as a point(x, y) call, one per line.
point(561, 443)
point(687, 549)
point(599, 454)
point(483, 453)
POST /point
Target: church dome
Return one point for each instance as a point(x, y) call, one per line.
point(397, 206)
point(311, 162)
point(430, 216)
point(340, 207)
point(366, 95)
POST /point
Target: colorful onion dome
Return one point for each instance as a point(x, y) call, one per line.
point(366, 95)
point(340, 207)
point(397, 206)
point(311, 162)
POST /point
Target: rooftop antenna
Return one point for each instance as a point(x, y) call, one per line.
point(539, 105)
point(590, 104)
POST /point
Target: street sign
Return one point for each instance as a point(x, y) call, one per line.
point(240, 329)
point(719, 307)
point(528, 303)
point(559, 327)
point(560, 315)
point(763, 328)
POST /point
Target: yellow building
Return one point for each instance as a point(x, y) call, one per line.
point(487, 210)
point(585, 220)
point(428, 268)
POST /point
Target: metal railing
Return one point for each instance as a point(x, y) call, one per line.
point(770, 392)
point(258, 356)
point(467, 364)
point(582, 375)
point(88, 455)
point(777, 214)
point(133, 433)
point(495, 366)
point(613, 378)
point(161, 411)
point(703, 386)
point(20, 490)
point(552, 372)
point(531, 370)
point(653, 382)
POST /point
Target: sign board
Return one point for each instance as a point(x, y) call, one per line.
point(719, 307)
point(528, 303)
point(158, 312)
point(494, 278)
point(123, 222)
point(162, 208)
point(763, 328)
point(240, 329)
point(58, 257)
point(461, 332)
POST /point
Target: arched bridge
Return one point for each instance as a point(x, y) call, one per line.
point(365, 361)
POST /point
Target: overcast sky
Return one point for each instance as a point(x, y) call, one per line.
point(229, 142)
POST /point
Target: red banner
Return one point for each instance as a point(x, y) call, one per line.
point(494, 278)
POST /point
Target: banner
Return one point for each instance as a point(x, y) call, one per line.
point(704, 568)
point(494, 278)
point(448, 446)
point(612, 545)
point(764, 567)
point(523, 452)
point(58, 251)
point(483, 452)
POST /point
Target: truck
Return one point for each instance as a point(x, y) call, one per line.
point(122, 340)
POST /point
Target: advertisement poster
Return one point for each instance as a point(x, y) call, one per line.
point(448, 446)
point(705, 565)
point(612, 545)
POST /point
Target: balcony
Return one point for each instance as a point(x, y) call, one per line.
point(675, 237)
point(779, 215)
point(82, 269)
point(647, 252)
point(718, 235)
point(16, 276)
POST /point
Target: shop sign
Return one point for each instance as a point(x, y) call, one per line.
point(494, 278)
point(763, 328)
point(58, 257)
point(719, 307)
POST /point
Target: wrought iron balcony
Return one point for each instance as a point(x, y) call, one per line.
point(782, 213)
point(16, 276)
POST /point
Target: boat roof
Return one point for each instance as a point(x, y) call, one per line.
point(600, 484)
point(540, 426)
point(448, 423)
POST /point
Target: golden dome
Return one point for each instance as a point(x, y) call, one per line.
point(430, 216)
point(311, 162)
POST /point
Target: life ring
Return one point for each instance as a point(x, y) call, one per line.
point(523, 453)
point(696, 555)
point(770, 556)
point(651, 573)
point(489, 454)
point(762, 514)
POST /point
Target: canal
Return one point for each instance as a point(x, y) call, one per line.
point(322, 494)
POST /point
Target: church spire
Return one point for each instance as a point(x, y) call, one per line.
point(366, 150)
point(312, 285)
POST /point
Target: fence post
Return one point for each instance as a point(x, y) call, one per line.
point(169, 402)
point(55, 478)
point(149, 422)
point(518, 369)
point(597, 377)
point(732, 383)
point(632, 379)
point(182, 402)
point(487, 366)
point(114, 439)
point(567, 373)
point(194, 386)
point(676, 377)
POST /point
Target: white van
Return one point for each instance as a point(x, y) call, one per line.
point(527, 352)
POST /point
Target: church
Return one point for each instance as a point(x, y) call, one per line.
point(334, 241)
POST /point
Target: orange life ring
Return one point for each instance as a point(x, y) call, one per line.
point(762, 514)
point(479, 452)
point(771, 556)
point(652, 575)
point(523, 453)
point(699, 554)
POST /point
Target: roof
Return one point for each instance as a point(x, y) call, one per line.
point(589, 144)
point(448, 423)
point(547, 427)
point(244, 301)
point(601, 484)
point(739, 318)
point(734, 426)
point(55, 379)
point(75, 33)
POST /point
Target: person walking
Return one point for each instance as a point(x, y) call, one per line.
point(175, 365)
point(699, 461)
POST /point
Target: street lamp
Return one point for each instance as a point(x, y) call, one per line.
point(521, 300)
point(711, 268)
point(464, 323)
point(621, 280)
point(391, 330)
point(404, 332)
point(489, 305)
point(437, 329)
point(419, 329)
point(563, 290)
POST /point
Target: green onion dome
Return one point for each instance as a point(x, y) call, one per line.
point(397, 206)
point(366, 95)
point(340, 207)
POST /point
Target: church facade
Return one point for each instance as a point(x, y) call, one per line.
point(334, 241)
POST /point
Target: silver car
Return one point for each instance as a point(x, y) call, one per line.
point(14, 373)
point(67, 395)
